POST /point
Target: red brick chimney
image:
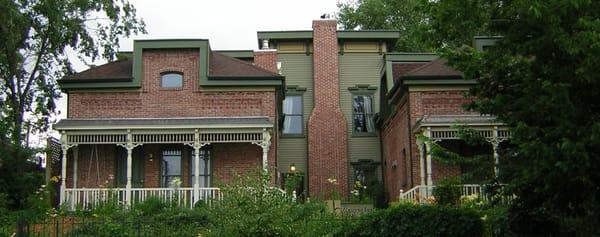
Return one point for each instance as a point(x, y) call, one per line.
point(327, 127)
point(266, 58)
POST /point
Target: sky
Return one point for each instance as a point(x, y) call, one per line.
point(227, 24)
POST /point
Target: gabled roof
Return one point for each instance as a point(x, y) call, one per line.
point(225, 66)
point(435, 69)
point(112, 71)
point(220, 66)
point(400, 69)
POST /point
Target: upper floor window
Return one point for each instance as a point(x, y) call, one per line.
point(362, 114)
point(293, 119)
point(171, 80)
point(362, 110)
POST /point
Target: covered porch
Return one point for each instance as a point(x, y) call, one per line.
point(173, 159)
point(446, 128)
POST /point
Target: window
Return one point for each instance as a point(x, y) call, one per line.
point(293, 120)
point(362, 114)
point(204, 168)
point(170, 168)
point(171, 80)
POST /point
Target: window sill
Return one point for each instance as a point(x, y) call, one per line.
point(364, 134)
point(293, 136)
point(171, 89)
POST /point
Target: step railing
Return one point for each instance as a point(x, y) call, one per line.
point(424, 193)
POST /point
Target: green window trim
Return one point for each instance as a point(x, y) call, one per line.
point(165, 178)
point(293, 91)
point(365, 94)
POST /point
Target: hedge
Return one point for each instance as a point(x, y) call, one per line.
point(418, 220)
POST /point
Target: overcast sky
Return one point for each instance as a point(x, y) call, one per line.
point(227, 24)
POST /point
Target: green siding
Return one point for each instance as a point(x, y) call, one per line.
point(297, 69)
point(360, 69)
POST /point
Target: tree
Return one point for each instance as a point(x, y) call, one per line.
point(541, 79)
point(36, 36)
point(423, 25)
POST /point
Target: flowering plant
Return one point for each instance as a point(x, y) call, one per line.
point(359, 193)
point(334, 193)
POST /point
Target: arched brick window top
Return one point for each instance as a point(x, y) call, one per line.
point(170, 80)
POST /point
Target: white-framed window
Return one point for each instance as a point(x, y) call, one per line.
point(171, 80)
point(293, 119)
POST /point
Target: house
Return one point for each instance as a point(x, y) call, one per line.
point(174, 117)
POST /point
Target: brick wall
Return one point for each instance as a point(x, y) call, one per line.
point(434, 103)
point(397, 150)
point(397, 135)
point(327, 130)
point(152, 101)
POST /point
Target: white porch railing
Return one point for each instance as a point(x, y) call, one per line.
point(87, 198)
point(421, 193)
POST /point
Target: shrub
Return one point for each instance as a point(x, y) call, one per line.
point(448, 191)
point(251, 207)
point(152, 217)
point(417, 220)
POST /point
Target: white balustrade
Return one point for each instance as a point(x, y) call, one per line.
point(421, 193)
point(87, 198)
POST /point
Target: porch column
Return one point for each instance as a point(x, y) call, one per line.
point(421, 162)
point(197, 145)
point(421, 168)
point(495, 143)
point(129, 146)
point(64, 144)
point(428, 147)
point(265, 145)
point(75, 158)
point(428, 152)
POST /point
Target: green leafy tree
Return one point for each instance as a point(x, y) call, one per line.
point(35, 38)
point(423, 25)
point(541, 79)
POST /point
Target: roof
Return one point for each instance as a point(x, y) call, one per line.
point(220, 66)
point(400, 69)
point(225, 66)
point(163, 123)
point(437, 68)
point(120, 69)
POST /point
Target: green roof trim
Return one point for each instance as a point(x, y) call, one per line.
point(368, 34)
point(205, 80)
point(387, 35)
point(410, 57)
point(304, 34)
point(237, 53)
point(439, 82)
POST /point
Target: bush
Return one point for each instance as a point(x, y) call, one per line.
point(448, 191)
point(417, 220)
point(251, 207)
point(149, 218)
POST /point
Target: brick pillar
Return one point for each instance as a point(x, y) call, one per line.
point(266, 59)
point(327, 129)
